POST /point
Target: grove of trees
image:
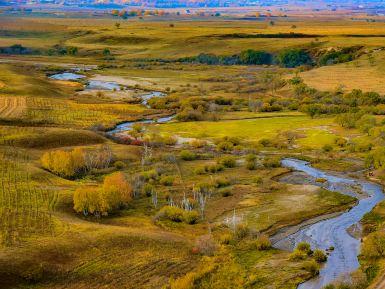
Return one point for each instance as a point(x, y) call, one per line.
point(115, 194)
point(73, 163)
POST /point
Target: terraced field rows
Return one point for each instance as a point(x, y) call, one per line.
point(12, 107)
point(70, 113)
point(25, 206)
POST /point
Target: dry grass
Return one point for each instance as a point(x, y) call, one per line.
point(359, 74)
point(13, 107)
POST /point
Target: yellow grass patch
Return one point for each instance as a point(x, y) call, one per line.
point(12, 107)
point(359, 74)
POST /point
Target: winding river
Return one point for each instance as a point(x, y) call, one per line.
point(324, 234)
point(333, 232)
point(126, 126)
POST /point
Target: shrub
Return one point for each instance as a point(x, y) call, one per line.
point(365, 123)
point(297, 255)
point(187, 155)
point(166, 180)
point(174, 214)
point(251, 165)
point(319, 256)
point(191, 217)
point(258, 180)
point(327, 148)
point(293, 57)
point(226, 193)
point(150, 175)
point(148, 189)
point(341, 142)
point(205, 188)
point(263, 242)
point(225, 146)
point(228, 161)
point(348, 120)
point(200, 171)
point(189, 115)
point(197, 143)
point(265, 142)
point(312, 267)
point(251, 157)
point(119, 165)
point(272, 162)
point(221, 182)
point(214, 168)
point(304, 247)
point(169, 140)
point(251, 56)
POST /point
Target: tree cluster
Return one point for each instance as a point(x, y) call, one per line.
point(73, 163)
point(115, 194)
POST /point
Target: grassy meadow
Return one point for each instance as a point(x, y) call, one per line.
point(193, 201)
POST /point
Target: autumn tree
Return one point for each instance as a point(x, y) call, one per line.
point(64, 163)
point(115, 193)
point(72, 163)
point(88, 200)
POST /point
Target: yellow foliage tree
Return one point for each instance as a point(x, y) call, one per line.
point(64, 163)
point(69, 164)
point(88, 200)
point(117, 190)
point(115, 193)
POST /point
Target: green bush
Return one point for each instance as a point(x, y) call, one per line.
point(200, 171)
point(226, 192)
point(251, 157)
point(319, 256)
point(119, 165)
point(166, 180)
point(297, 255)
point(150, 175)
point(327, 148)
point(190, 217)
point(272, 162)
point(294, 57)
point(148, 189)
point(265, 142)
point(341, 142)
point(228, 161)
point(251, 56)
point(174, 214)
point(304, 247)
point(187, 155)
point(221, 182)
point(178, 215)
point(214, 168)
point(312, 267)
point(225, 146)
point(251, 165)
